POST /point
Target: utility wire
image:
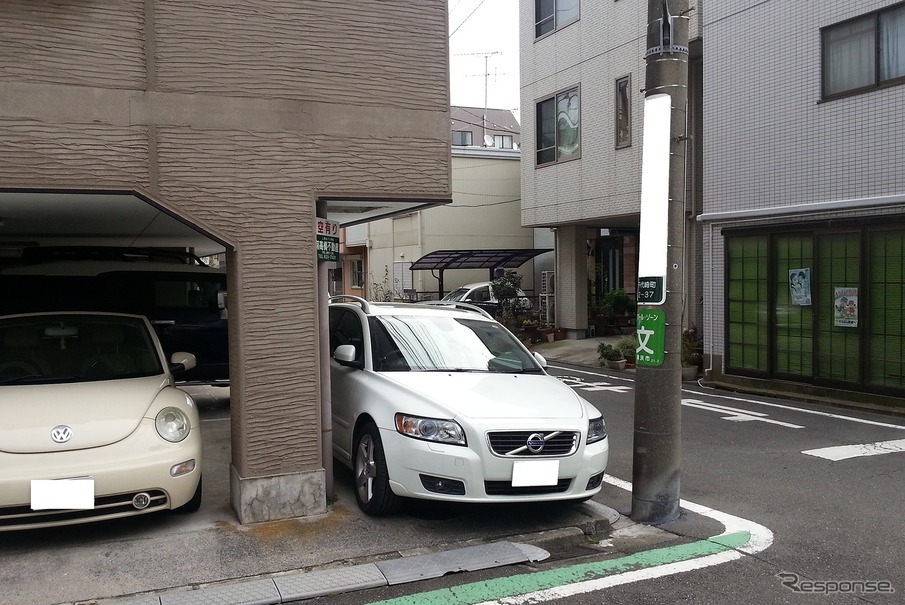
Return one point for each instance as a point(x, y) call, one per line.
point(467, 18)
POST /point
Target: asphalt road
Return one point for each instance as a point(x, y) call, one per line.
point(837, 530)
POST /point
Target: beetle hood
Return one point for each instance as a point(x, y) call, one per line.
point(96, 413)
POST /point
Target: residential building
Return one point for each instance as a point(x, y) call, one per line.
point(485, 214)
point(582, 75)
point(232, 126)
point(795, 193)
point(804, 197)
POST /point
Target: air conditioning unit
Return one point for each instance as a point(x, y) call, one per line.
point(547, 296)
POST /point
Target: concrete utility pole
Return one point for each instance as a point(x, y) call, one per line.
point(657, 447)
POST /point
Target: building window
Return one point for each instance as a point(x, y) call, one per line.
point(356, 274)
point(550, 15)
point(623, 112)
point(822, 305)
point(558, 133)
point(864, 53)
point(746, 302)
point(502, 141)
point(462, 138)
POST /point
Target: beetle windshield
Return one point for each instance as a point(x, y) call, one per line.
point(432, 343)
point(59, 347)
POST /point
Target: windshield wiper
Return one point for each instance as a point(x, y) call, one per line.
point(39, 379)
point(19, 379)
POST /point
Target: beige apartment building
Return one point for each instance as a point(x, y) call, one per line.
point(229, 127)
point(484, 215)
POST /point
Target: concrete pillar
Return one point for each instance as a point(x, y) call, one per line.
point(572, 280)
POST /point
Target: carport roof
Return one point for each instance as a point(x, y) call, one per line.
point(508, 258)
point(34, 217)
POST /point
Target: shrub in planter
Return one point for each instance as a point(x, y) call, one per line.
point(628, 344)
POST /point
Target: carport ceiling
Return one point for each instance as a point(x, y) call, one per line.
point(120, 219)
point(130, 219)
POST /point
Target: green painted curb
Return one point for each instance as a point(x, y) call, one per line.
point(477, 592)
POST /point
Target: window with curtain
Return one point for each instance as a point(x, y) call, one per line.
point(502, 141)
point(462, 138)
point(864, 53)
point(558, 128)
point(550, 15)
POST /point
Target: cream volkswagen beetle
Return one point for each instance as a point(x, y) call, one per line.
point(441, 402)
point(91, 424)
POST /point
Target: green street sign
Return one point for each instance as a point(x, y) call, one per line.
point(651, 337)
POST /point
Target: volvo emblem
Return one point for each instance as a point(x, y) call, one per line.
point(61, 433)
point(535, 443)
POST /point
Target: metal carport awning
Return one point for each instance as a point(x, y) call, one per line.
point(505, 258)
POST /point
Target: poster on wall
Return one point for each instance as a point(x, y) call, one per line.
point(800, 286)
point(845, 311)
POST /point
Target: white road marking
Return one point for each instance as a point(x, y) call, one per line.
point(737, 415)
point(760, 539)
point(843, 452)
point(803, 410)
point(755, 402)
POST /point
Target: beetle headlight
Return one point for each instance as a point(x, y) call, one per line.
point(596, 430)
point(172, 424)
point(430, 429)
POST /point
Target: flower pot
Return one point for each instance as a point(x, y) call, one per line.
point(689, 373)
point(615, 364)
point(559, 334)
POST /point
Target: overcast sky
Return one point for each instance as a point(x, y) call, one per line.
point(479, 28)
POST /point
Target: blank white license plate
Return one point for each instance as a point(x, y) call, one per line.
point(535, 473)
point(49, 494)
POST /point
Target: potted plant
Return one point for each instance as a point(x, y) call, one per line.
point(628, 344)
point(617, 307)
point(610, 356)
point(692, 352)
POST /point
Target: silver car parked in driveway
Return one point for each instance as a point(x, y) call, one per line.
point(441, 402)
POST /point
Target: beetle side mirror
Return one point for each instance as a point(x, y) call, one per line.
point(180, 361)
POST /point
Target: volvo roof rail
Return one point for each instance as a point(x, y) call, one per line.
point(365, 305)
point(457, 305)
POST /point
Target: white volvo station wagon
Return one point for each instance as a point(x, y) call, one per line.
point(441, 402)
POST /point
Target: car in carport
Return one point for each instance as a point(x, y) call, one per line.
point(92, 426)
point(482, 294)
point(184, 299)
point(438, 401)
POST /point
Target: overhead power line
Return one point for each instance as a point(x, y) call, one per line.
point(467, 18)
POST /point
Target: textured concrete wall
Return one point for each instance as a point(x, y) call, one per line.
point(237, 115)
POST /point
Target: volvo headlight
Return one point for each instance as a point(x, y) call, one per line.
point(430, 429)
point(172, 424)
point(596, 430)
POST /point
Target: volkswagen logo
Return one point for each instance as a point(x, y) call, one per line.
point(535, 443)
point(61, 433)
